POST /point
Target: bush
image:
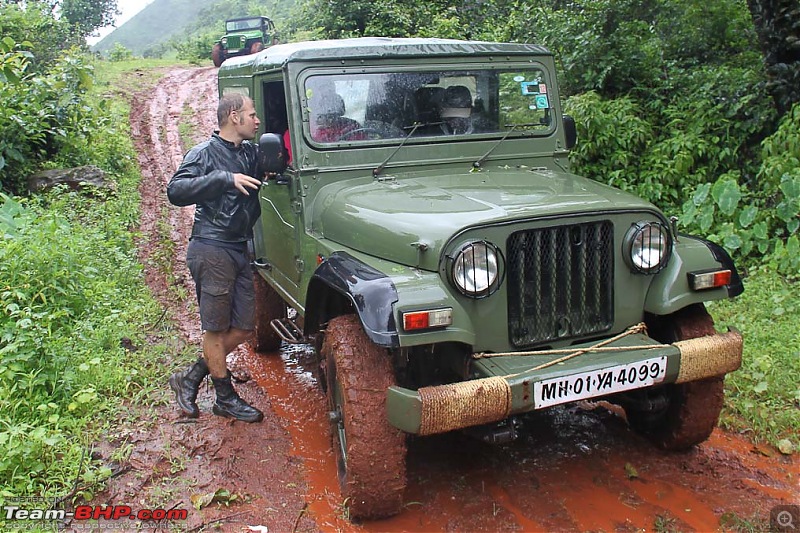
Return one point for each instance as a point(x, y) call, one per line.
point(759, 222)
point(44, 117)
point(119, 53)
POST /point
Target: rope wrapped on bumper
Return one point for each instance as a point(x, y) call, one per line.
point(704, 357)
point(464, 404)
point(454, 406)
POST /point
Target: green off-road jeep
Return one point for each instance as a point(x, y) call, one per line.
point(430, 240)
point(243, 36)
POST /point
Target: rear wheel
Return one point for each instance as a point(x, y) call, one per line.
point(679, 415)
point(269, 306)
point(217, 55)
point(370, 452)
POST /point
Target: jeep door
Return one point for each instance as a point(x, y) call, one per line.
point(276, 242)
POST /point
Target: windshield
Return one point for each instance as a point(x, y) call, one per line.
point(365, 107)
point(247, 24)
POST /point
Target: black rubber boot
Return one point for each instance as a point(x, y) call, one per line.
point(186, 383)
point(230, 405)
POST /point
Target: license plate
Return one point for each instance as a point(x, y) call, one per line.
point(599, 382)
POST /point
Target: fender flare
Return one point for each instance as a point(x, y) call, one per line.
point(371, 293)
point(736, 287)
point(669, 291)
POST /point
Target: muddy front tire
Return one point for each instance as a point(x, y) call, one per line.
point(256, 47)
point(370, 452)
point(685, 414)
point(217, 55)
point(269, 306)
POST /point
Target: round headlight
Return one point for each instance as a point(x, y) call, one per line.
point(476, 269)
point(648, 247)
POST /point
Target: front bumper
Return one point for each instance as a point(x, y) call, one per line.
point(511, 384)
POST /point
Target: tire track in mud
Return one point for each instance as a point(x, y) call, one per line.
point(155, 120)
point(572, 469)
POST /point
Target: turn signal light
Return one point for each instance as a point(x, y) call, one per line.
point(709, 280)
point(434, 318)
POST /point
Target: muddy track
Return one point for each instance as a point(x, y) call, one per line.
point(573, 469)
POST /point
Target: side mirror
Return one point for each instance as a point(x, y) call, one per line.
point(570, 131)
point(271, 157)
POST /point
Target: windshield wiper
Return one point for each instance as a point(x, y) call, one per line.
point(380, 168)
point(479, 162)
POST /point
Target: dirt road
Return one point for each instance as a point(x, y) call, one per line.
point(574, 469)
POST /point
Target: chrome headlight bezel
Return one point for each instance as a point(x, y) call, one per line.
point(647, 247)
point(476, 270)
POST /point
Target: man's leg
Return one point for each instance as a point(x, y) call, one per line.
point(216, 346)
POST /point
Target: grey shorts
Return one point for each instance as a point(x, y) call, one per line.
point(223, 279)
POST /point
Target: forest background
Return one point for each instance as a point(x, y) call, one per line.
point(688, 103)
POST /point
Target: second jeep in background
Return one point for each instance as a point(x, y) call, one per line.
point(246, 35)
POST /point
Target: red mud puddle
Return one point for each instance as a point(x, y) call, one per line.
point(572, 469)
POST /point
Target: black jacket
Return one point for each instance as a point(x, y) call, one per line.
point(205, 178)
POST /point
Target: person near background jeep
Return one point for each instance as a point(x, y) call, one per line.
point(218, 176)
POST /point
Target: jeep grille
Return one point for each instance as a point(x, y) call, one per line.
point(560, 282)
point(235, 42)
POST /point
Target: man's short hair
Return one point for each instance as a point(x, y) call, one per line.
point(228, 103)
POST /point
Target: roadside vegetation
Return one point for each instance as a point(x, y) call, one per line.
point(80, 334)
point(671, 103)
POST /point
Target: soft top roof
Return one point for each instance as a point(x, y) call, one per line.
point(276, 56)
point(247, 18)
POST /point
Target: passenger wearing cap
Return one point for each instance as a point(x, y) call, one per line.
point(456, 111)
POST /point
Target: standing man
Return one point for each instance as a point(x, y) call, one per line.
point(218, 176)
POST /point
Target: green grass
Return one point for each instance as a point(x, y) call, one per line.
point(763, 397)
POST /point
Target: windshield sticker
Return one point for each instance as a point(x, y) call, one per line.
point(529, 87)
point(542, 88)
point(541, 101)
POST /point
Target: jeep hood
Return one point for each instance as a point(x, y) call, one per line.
point(387, 218)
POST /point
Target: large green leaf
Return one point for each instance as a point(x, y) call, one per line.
point(726, 194)
point(791, 187)
point(748, 215)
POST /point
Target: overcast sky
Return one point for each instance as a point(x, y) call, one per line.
point(128, 9)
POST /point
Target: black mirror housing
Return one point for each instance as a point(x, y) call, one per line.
point(570, 131)
point(271, 154)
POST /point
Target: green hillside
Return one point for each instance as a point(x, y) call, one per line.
point(190, 26)
point(152, 27)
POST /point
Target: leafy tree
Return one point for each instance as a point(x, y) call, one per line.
point(337, 19)
point(778, 25)
point(86, 16)
point(35, 25)
point(82, 17)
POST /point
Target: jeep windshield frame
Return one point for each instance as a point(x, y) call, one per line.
point(244, 24)
point(380, 106)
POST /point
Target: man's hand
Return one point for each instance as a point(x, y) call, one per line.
point(242, 182)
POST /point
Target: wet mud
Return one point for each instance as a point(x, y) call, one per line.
point(576, 468)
